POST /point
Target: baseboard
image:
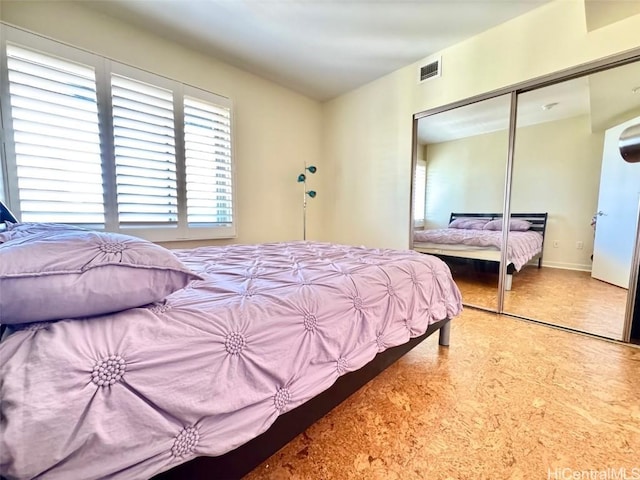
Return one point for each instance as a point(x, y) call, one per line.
point(564, 266)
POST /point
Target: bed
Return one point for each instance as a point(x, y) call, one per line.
point(209, 381)
point(474, 241)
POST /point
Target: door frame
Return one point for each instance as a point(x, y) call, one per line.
point(633, 285)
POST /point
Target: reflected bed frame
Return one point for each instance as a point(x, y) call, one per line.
point(538, 224)
point(239, 462)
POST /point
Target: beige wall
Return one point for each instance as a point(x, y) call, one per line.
point(276, 129)
point(600, 13)
point(364, 157)
point(556, 170)
point(466, 175)
point(367, 140)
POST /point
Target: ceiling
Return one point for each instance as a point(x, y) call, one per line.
point(614, 96)
point(609, 98)
point(570, 99)
point(320, 48)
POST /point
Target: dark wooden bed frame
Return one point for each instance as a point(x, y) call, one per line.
point(237, 463)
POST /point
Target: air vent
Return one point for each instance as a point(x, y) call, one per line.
point(429, 71)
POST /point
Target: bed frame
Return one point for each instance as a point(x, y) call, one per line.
point(237, 463)
point(538, 224)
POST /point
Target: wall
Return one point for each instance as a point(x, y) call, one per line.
point(367, 159)
point(276, 129)
point(557, 170)
point(600, 13)
point(466, 175)
point(367, 132)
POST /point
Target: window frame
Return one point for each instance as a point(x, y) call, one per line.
point(420, 222)
point(104, 68)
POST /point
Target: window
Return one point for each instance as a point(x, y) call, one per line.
point(56, 138)
point(207, 138)
point(92, 142)
point(419, 193)
point(144, 148)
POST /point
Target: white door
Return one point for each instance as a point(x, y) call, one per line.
point(617, 212)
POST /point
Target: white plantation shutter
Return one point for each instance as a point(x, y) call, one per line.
point(56, 138)
point(86, 140)
point(419, 193)
point(207, 140)
point(145, 153)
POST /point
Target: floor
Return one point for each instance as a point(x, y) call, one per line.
point(509, 399)
point(562, 297)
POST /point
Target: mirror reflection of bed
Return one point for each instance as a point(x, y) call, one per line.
point(565, 163)
point(475, 239)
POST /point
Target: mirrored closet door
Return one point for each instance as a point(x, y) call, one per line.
point(567, 165)
point(459, 184)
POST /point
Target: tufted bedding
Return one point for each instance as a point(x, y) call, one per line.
point(132, 394)
point(523, 246)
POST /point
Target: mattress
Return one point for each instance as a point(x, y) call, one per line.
point(213, 365)
point(522, 246)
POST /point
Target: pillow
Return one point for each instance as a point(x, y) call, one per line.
point(515, 225)
point(17, 230)
point(469, 223)
point(63, 274)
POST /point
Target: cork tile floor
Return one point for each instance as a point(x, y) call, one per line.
point(561, 297)
point(509, 399)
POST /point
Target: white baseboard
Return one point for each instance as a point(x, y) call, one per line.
point(565, 266)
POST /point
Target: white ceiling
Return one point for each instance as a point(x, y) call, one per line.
point(571, 99)
point(614, 96)
point(609, 98)
point(321, 48)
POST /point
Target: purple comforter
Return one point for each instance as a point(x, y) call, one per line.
point(213, 366)
point(523, 246)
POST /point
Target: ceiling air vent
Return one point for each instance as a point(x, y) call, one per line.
point(429, 71)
